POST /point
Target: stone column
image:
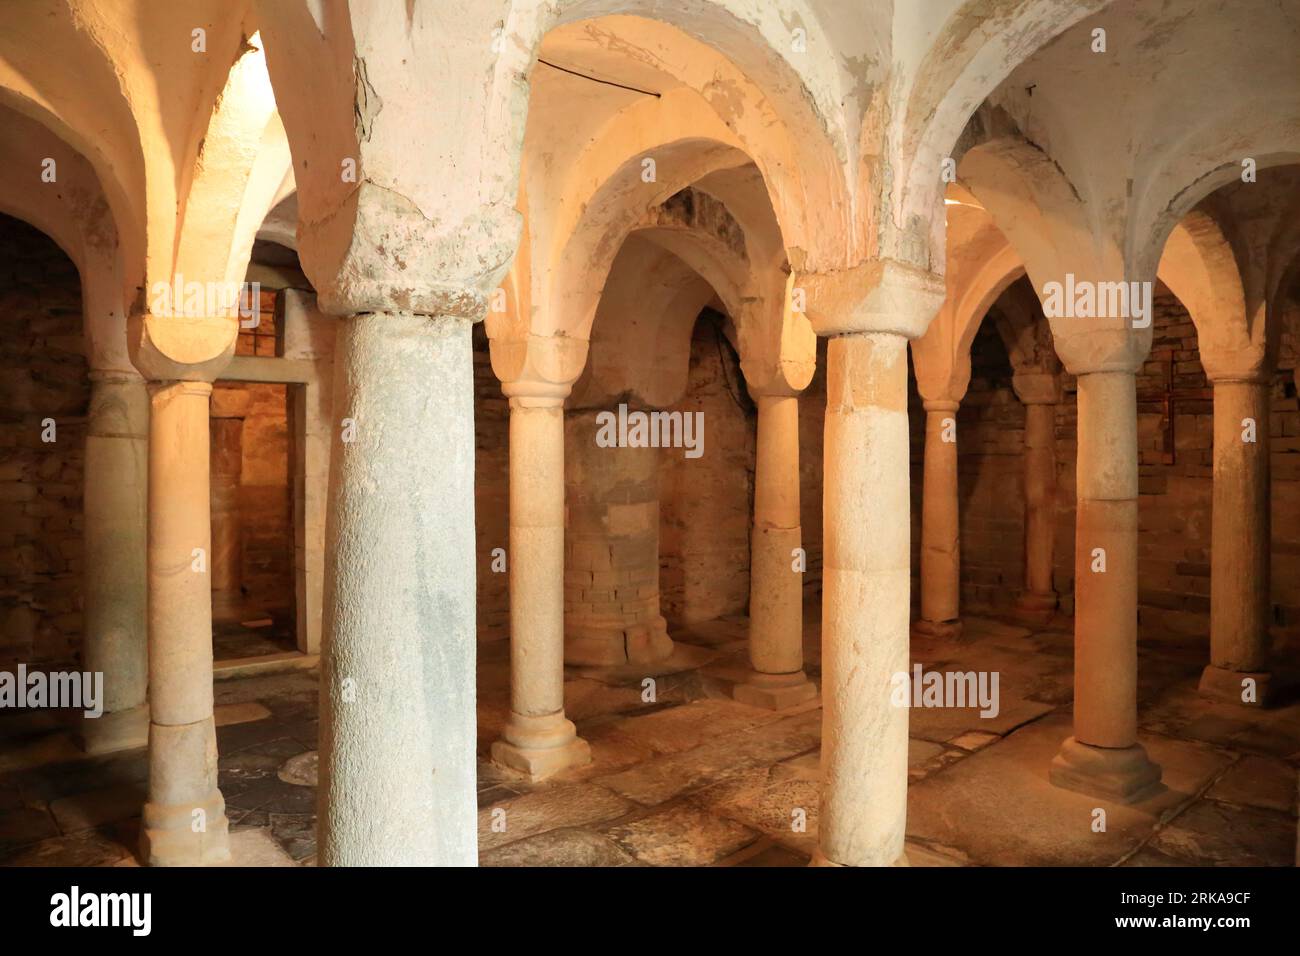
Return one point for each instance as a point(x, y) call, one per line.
point(538, 739)
point(184, 821)
point(1103, 757)
point(611, 568)
point(115, 532)
point(775, 587)
point(1040, 393)
point(1241, 544)
point(866, 606)
point(397, 671)
point(940, 531)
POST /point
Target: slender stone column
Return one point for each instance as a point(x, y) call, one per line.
point(940, 531)
point(397, 672)
point(1103, 757)
point(866, 582)
point(1241, 544)
point(1040, 495)
point(775, 587)
point(1041, 393)
point(538, 739)
point(115, 532)
point(184, 821)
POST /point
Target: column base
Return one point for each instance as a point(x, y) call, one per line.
point(540, 746)
point(1225, 686)
point(167, 836)
point(820, 859)
point(775, 691)
point(605, 647)
point(1119, 774)
point(1033, 607)
point(943, 630)
point(111, 732)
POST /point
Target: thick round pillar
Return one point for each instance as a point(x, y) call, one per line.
point(866, 584)
point(1103, 757)
point(538, 739)
point(397, 669)
point(184, 821)
point(1040, 505)
point(940, 529)
point(775, 585)
point(611, 568)
point(1240, 545)
point(115, 534)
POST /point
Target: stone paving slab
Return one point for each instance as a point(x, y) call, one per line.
point(998, 808)
point(1262, 782)
point(1210, 832)
point(663, 778)
point(568, 847)
point(551, 808)
point(97, 807)
point(681, 835)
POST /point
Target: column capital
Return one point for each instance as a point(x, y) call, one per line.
point(773, 390)
point(940, 404)
point(171, 348)
point(181, 386)
point(379, 252)
point(537, 370)
point(881, 295)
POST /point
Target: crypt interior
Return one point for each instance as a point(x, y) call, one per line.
point(367, 586)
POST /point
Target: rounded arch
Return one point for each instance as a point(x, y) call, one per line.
point(953, 72)
point(578, 272)
point(640, 342)
point(1209, 157)
point(1199, 267)
point(736, 60)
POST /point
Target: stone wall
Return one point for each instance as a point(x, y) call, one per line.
point(1175, 430)
point(265, 500)
point(43, 375)
point(706, 504)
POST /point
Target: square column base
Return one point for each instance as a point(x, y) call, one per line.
point(540, 745)
point(168, 838)
point(1227, 687)
point(539, 763)
point(1035, 609)
point(943, 630)
point(1122, 774)
point(775, 691)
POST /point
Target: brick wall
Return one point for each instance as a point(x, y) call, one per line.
point(706, 504)
point(43, 375)
point(266, 500)
point(1175, 431)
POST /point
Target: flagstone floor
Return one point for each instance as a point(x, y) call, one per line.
point(694, 779)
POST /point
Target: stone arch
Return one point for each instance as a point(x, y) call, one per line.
point(242, 166)
point(785, 109)
point(1047, 221)
point(982, 264)
point(644, 361)
point(1186, 180)
point(1199, 267)
point(979, 45)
